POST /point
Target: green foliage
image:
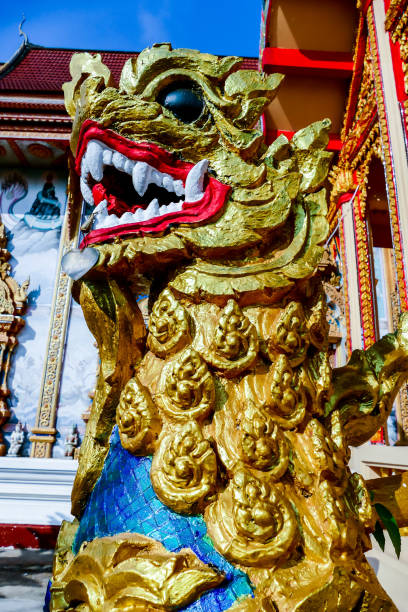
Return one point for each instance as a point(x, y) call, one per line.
point(379, 535)
point(390, 524)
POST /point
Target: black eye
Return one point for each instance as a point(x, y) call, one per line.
point(184, 101)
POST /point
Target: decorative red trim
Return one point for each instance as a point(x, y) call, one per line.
point(396, 225)
point(336, 64)
point(345, 197)
point(357, 75)
point(365, 6)
point(43, 118)
point(363, 268)
point(267, 22)
point(398, 72)
point(17, 152)
point(335, 143)
point(59, 144)
point(28, 536)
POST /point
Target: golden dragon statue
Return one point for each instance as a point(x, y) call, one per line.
point(214, 470)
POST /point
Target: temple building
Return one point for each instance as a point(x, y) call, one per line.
point(343, 60)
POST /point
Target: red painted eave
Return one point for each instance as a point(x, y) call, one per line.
point(313, 63)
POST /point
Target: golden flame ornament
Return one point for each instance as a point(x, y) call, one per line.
point(291, 337)
point(184, 469)
point(137, 419)
point(251, 523)
point(186, 389)
point(168, 326)
point(235, 344)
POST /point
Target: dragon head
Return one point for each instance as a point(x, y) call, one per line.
point(176, 170)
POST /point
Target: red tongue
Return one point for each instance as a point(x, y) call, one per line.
point(99, 193)
point(115, 205)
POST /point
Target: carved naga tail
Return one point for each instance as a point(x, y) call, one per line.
point(213, 474)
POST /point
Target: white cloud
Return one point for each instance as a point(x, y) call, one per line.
point(152, 26)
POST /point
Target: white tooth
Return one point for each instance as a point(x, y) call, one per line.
point(129, 165)
point(156, 177)
point(127, 217)
point(178, 188)
point(137, 215)
point(119, 160)
point(153, 209)
point(195, 180)
point(86, 191)
point(168, 183)
point(163, 209)
point(101, 208)
point(84, 167)
point(108, 221)
point(102, 223)
point(94, 153)
point(107, 157)
point(140, 177)
point(99, 222)
point(112, 221)
point(171, 207)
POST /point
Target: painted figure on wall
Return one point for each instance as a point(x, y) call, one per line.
point(45, 212)
point(71, 442)
point(214, 470)
point(16, 441)
point(33, 226)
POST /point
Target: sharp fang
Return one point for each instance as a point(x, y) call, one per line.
point(168, 183)
point(84, 168)
point(86, 191)
point(195, 181)
point(94, 154)
point(140, 177)
point(156, 177)
point(178, 188)
point(102, 206)
point(153, 209)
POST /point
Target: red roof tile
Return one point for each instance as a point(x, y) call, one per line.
point(40, 69)
point(47, 69)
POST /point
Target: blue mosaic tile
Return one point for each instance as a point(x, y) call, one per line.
point(123, 500)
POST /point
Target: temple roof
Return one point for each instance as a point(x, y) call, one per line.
point(31, 97)
point(42, 69)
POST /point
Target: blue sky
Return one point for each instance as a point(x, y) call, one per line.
point(217, 26)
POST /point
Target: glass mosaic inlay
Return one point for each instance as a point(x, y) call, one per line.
point(123, 500)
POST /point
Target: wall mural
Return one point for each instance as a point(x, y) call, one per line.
point(32, 207)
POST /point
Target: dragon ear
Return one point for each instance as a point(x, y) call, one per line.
point(82, 66)
point(254, 91)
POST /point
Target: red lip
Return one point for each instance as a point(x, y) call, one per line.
point(213, 200)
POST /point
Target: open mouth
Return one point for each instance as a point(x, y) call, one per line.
point(138, 188)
